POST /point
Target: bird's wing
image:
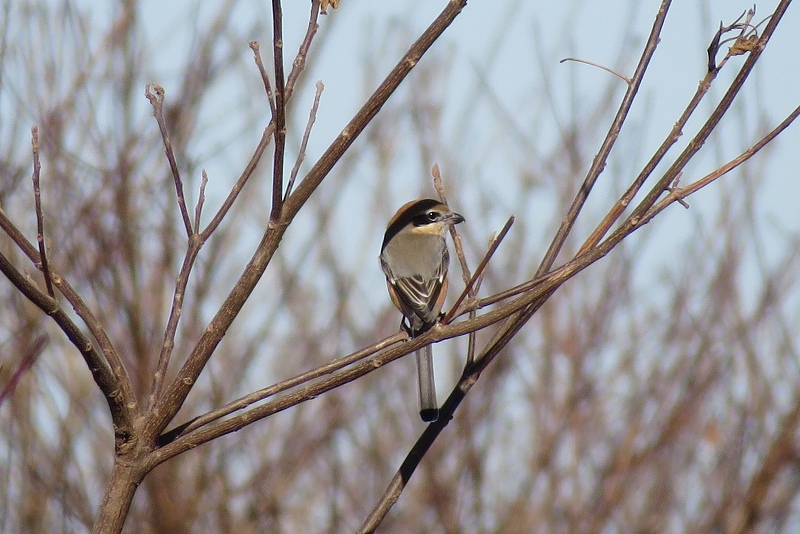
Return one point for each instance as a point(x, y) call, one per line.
point(419, 294)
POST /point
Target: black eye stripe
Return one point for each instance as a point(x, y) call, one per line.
point(426, 218)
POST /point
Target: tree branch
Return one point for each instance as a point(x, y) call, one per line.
point(279, 115)
point(37, 196)
point(370, 108)
point(155, 94)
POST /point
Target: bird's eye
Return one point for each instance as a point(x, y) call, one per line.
point(432, 216)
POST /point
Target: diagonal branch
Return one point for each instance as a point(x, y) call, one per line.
point(678, 193)
point(233, 194)
point(299, 63)
point(156, 388)
point(547, 283)
point(262, 394)
point(198, 238)
point(155, 94)
point(370, 108)
point(454, 310)
point(256, 48)
point(676, 131)
point(705, 131)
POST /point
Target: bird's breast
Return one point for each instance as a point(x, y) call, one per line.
point(415, 255)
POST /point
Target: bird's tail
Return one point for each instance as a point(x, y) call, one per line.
point(428, 407)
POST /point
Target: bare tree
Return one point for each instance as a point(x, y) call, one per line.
point(670, 408)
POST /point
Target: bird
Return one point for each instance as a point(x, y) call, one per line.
point(415, 259)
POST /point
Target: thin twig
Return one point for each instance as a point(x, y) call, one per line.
point(599, 66)
point(175, 312)
point(600, 159)
point(301, 154)
point(34, 349)
point(658, 156)
point(438, 184)
point(673, 186)
point(713, 120)
point(473, 286)
point(297, 68)
point(37, 196)
point(514, 323)
point(454, 311)
point(248, 171)
point(256, 48)
point(196, 242)
point(155, 94)
point(677, 194)
point(117, 388)
point(677, 130)
point(299, 63)
point(279, 115)
point(201, 198)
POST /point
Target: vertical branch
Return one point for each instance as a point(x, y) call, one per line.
point(155, 94)
point(198, 209)
point(37, 167)
point(280, 110)
point(438, 183)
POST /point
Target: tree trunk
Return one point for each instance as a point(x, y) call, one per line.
point(125, 478)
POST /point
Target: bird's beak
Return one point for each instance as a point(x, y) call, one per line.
point(455, 218)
